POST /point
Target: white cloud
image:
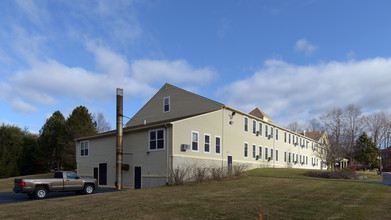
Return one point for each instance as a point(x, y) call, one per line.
point(178, 71)
point(37, 15)
point(48, 81)
point(290, 92)
point(306, 47)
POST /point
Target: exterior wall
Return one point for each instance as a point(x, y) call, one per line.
point(233, 138)
point(182, 103)
point(101, 150)
point(136, 153)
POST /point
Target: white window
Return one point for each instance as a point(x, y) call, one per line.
point(284, 156)
point(285, 136)
point(293, 157)
point(245, 124)
point(218, 145)
point(254, 150)
point(156, 139)
point(266, 153)
point(276, 155)
point(276, 134)
point(260, 152)
point(306, 145)
point(84, 148)
point(166, 104)
point(289, 157)
point(271, 154)
point(271, 131)
point(245, 150)
point(254, 127)
point(260, 129)
point(306, 160)
point(207, 143)
point(194, 141)
point(289, 138)
point(266, 130)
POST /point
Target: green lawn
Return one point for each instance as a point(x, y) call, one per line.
point(274, 193)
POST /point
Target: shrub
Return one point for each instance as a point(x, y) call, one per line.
point(352, 168)
point(338, 174)
point(238, 169)
point(178, 175)
point(199, 174)
point(217, 173)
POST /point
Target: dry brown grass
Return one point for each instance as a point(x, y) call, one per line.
point(278, 197)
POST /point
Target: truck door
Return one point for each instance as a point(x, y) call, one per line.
point(72, 182)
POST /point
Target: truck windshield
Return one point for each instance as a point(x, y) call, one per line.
point(72, 175)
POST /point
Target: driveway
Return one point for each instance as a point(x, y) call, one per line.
point(387, 179)
point(11, 197)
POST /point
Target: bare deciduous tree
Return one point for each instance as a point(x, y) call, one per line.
point(101, 124)
point(352, 125)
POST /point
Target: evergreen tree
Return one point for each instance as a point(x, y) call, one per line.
point(366, 152)
point(33, 160)
point(79, 124)
point(11, 148)
point(52, 140)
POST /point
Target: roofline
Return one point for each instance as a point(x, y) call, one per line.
point(167, 122)
point(254, 117)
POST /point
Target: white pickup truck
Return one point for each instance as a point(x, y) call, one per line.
point(63, 181)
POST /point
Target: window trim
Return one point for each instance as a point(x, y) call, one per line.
point(254, 127)
point(245, 124)
point(276, 152)
point(260, 152)
point(164, 104)
point(149, 139)
point(260, 128)
point(216, 145)
point(84, 150)
point(207, 152)
point(198, 141)
point(254, 151)
point(245, 150)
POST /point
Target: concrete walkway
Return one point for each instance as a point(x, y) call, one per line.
point(387, 179)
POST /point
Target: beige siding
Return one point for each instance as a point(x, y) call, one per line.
point(135, 153)
point(233, 137)
point(101, 150)
point(182, 103)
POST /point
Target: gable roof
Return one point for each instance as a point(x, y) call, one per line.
point(182, 104)
point(315, 135)
point(260, 114)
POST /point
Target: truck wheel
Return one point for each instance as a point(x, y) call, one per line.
point(88, 189)
point(40, 193)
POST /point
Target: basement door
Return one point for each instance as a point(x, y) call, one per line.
point(103, 174)
point(137, 177)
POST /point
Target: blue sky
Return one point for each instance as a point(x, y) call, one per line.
point(292, 59)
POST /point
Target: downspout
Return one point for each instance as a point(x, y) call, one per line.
point(119, 148)
point(222, 139)
point(167, 149)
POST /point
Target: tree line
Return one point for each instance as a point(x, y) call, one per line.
point(352, 135)
point(24, 153)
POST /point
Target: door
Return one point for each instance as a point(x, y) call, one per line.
point(137, 177)
point(72, 181)
point(102, 174)
point(96, 174)
point(229, 161)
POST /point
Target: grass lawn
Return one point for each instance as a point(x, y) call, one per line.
point(274, 193)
